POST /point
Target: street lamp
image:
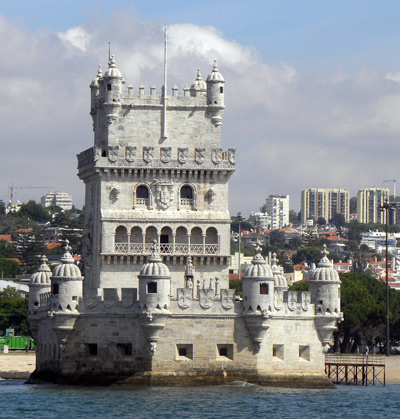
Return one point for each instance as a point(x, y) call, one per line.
point(387, 207)
point(239, 219)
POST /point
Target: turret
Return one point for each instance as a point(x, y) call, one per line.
point(39, 284)
point(111, 85)
point(325, 287)
point(94, 91)
point(258, 285)
point(154, 283)
point(215, 95)
point(66, 284)
point(279, 279)
point(199, 86)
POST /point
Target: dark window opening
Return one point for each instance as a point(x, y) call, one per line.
point(221, 89)
point(104, 153)
point(56, 289)
point(108, 86)
point(124, 348)
point(182, 351)
point(92, 349)
point(142, 192)
point(264, 289)
point(223, 351)
point(186, 192)
point(215, 102)
point(36, 303)
point(152, 288)
point(164, 238)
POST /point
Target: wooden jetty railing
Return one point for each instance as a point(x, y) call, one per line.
point(356, 369)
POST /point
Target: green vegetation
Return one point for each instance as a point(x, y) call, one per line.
point(237, 285)
point(13, 312)
point(9, 268)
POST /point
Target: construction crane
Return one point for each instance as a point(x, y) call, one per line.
point(12, 187)
point(394, 186)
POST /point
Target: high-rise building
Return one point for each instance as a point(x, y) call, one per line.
point(368, 202)
point(61, 199)
point(325, 203)
point(278, 209)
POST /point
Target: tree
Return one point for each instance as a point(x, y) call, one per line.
point(338, 220)
point(294, 217)
point(353, 205)
point(9, 268)
point(237, 285)
point(7, 249)
point(13, 312)
point(277, 238)
point(34, 211)
point(2, 207)
point(309, 254)
point(321, 221)
point(29, 247)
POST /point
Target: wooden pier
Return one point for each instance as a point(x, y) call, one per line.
point(351, 369)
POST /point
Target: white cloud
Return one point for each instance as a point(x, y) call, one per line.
point(291, 130)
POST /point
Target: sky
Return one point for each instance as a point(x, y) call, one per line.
point(312, 89)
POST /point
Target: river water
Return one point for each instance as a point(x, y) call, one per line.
point(237, 400)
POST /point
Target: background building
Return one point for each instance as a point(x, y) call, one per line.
point(260, 220)
point(326, 203)
point(61, 199)
point(278, 209)
point(368, 202)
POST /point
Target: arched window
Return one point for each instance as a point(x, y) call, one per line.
point(142, 195)
point(186, 195)
point(121, 239)
point(211, 241)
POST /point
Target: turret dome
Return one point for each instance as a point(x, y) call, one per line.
point(279, 278)
point(154, 266)
point(42, 276)
point(258, 267)
point(199, 83)
point(67, 267)
point(112, 70)
point(215, 75)
point(99, 75)
point(325, 271)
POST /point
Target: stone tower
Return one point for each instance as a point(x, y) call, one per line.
point(155, 174)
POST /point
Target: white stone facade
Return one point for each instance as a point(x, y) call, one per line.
point(154, 305)
point(61, 199)
point(278, 209)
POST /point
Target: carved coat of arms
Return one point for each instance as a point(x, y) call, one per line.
point(292, 300)
point(110, 297)
point(148, 154)
point(128, 297)
point(184, 297)
point(183, 155)
point(227, 298)
point(199, 155)
point(164, 192)
point(207, 298)
point(165, 155)
point(113, 153)
point(305, 300)
point(278, 299)
point(216, 155)
point(231, 155)
point(130, 153)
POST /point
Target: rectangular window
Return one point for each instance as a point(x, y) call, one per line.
point(108, 86)
point(304, 352)
point(152, 288)
point(264, 289)
point(278, 352)
point(221, 89)
point(92, 349)
point(184, 352)
point(124, 348)
point(55, 289)
point(225, 351)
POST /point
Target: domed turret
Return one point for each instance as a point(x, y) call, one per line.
point(199, 86)
point(280, 280)
point(325, 287)
point(39, 284)
point(258, 285)
point(154, 283)
point(215, 95)
point(66, 283)
point(94, 90)
point(111, 84)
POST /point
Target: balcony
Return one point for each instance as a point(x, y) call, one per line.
point(167, 249)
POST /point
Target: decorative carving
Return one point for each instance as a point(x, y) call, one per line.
point(231, 155)
point(165, 155)
point(130, 153)
point(216, 155)
point(114, 194)
point(278, 299)
point(164, 192)
point(210, 196)
point(184, 297)
point(110, 297)
point(113, 153)
point(97, 153)
point(148, 154)
point(183, 155)
point(305, 300)
point(206, 298)
point(199, 155)
point(91, 302)
point(227, 298)
point(153, 347)
point(292, 300)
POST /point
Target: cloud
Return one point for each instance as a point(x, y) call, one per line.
point(292, 130)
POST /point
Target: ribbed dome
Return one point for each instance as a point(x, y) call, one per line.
point(215, 75)
point(67, 267)
point(199, 83)
point(112, 70)
point(42, 276)
point(324, 271)
point(259, 267)
point(99, 75)
point(154, 266)
point(280, 280)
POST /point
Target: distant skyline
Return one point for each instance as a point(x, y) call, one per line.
point(312, 88)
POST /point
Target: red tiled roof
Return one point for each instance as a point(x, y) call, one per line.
point(300, 267)
point(24, 230)
point(53, 245)
point(6, 237)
